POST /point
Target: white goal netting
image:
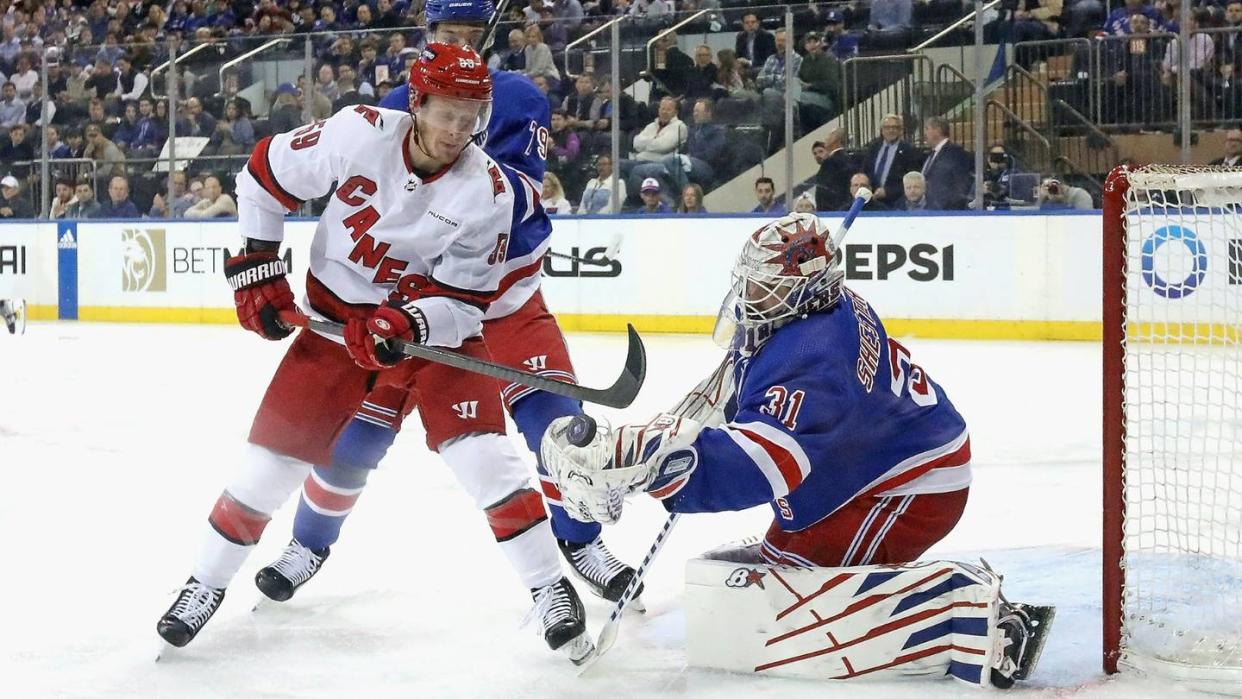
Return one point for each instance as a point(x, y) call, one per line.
point(1182, 482)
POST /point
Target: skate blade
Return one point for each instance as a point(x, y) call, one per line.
point(1042, 618)
point(637, 605)
point(579, 650)
point(165, 650)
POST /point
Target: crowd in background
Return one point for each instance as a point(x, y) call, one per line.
point(709, 115)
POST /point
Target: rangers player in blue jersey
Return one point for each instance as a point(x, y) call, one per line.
point(517, 327)
point(817, 412)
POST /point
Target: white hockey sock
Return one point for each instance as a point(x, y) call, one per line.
point(493, 474)
point(264, 481)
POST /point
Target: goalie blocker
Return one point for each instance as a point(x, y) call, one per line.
point(908, 621)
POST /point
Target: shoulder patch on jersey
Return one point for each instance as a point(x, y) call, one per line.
point(498, 180)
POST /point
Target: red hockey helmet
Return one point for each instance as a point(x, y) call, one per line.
point(453, 72)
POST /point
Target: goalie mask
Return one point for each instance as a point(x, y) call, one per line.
point(787, 269)
point(459, 77)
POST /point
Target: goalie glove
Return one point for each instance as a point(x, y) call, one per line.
point(366, 338)
point(657, 457)
point(260, 292)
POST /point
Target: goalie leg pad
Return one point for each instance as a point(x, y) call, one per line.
point(915, 620)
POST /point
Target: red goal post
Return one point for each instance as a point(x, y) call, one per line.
point(1172, 430)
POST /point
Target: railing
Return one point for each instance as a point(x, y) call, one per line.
point(932, 40)
point(875, 86)
point(245, 57)
point(588, 54)
point(1084, 149)
point(649, 51)
point(1031, 147)
point(164, 66)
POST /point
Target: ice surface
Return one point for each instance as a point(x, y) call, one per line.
point(116, 439)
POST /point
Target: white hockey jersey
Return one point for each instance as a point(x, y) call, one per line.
point(475, 229)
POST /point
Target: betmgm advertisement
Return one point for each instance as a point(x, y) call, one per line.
point(1183, 277)
point(166, 271)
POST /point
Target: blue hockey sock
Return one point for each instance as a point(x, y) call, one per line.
point(532, 415)
point(328, 496)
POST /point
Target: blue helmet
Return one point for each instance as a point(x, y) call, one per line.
point(480, 11)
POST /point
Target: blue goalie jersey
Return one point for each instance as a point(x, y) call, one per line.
point(517, 134)
point(829, 409)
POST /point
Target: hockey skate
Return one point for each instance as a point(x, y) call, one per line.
point(562, 620)
point(606, 576)
point(13, 311)
point(189, 613)
point(1024, 629)
point(296, 565)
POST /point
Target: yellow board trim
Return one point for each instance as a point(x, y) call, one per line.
point(930, 328)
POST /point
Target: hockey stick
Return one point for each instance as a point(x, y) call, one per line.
point(489, 29)
point(860, 200)
point(619, 395)
point(608, 635)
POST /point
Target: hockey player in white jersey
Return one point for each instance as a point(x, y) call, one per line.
point(864, 461)
point(409, 246)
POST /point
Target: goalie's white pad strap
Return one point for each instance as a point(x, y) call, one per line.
point(705, 403)
point(917, 620)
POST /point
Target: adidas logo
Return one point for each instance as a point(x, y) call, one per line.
point(467, 409)
point(67, 241)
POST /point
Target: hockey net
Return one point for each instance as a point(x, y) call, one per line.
point(1173, 422)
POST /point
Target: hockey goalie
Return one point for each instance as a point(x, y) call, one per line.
point(865, 463)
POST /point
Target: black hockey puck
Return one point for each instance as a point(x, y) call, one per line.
point(581, 430)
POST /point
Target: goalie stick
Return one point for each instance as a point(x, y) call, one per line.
point(860, 200)
point(619, 395)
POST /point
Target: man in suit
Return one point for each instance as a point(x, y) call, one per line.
point(949, 169)
point(832, 182)
point(859, 180)
point(888, 158)
point(1233, 149)
point(753, 43)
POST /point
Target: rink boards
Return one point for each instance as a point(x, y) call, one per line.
point(1010, 276)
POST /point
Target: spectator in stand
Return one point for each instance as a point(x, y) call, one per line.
point(63, 200)
point(553, 196)
point(569, 14)
point(1228, 46)
point(1119, 24)
point(703, 76)
point(765, 193)
point(1202, 53)
point(770, 82)
point(285, 114)
point(368, 73)
point(152, 129)
point(12, 110)
point(949, 169)
point(182, 199)
point(1055, 195)
point(110, 160)
point(539, 58)
point(674, 69)
point(13, 205)
point(582, 107)
point(321, 106)
point(214, 204)
point(887, 157)
point(131, 83)
point(665, 135)
point(819, 151)
point(731, 76)
point(95, 113)
point(17, 149)
point(597, 195)
point(890, 23)
point(628, 109)
point(512, 59)
point(653, 203)
point(1233, 150)
point(836, 41)
point(102, 81)
point(915, 197)
point(234, 133)
point(10, 46)
point(1135, 94)
point(996, 179)
point(555, 35)
point(23, 78)
point(75, 84)
point(196, 121)
point(1037, 20)
point(393, 54)
point(857, 181)
point(648, 14)
point(342, 53)
point(118, 204)
point(753, 43)
point(805, 203)
point(349, 94)
point(109, 51)
point(56, 149)
point(691, 201)
point(76, 143)
point(385, 16)
point(563, 149)
point(541, 82)
point(832, 182)
point(820, 74)
point(127, 131)
point(706, 151)
point(86, 206)
point(325, 81)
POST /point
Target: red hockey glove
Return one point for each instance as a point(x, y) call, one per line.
point(365, 337)
point(260, 292)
